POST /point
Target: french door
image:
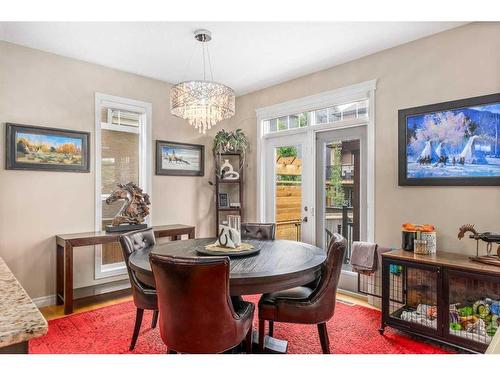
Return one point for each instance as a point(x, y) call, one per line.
point(288, 188)
point(341, 192)
point(316, 185)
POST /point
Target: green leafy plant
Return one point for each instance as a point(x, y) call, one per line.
point(285, 152)
point(336, 190)
point(230, 141)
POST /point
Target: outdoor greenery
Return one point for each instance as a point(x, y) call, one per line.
point(284, 152)
point(303, 119)
point(336, 190)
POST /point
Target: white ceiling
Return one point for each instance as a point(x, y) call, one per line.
point(247, 56)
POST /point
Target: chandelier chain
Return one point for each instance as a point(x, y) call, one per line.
point(203, 53)
point(210, 64)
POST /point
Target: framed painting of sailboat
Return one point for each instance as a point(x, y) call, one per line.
point(451, 143)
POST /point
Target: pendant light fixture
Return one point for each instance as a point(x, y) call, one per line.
point(202, 103)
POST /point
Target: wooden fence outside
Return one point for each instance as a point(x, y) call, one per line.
point(288, 210)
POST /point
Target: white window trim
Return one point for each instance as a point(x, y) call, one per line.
point(145, 159)
point(359, 91)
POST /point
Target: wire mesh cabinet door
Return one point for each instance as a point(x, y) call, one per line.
point(473, 308)
point(410, 297)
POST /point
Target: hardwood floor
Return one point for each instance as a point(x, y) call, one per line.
point(88, 303)
point(342, 297)
point(103, 300)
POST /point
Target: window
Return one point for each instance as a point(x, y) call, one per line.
point(348, 111)
point(122, 148)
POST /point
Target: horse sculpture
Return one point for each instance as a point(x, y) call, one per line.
point(136, 204)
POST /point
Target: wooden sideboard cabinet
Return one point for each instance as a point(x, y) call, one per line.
point(445, 297)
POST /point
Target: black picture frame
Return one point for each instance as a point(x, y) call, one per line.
point(224, 200)
point(403, 115)
point(179, 172)
point(12, 160)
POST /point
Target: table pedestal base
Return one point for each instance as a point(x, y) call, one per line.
point(272, 345)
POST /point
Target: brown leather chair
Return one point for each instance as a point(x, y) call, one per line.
point(257, 231)
point(196, 313)
point(144, 296)
point(304, 305)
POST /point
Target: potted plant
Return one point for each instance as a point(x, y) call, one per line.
point(230, 142)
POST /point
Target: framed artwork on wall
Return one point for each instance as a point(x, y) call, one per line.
point(179, 159)
point(451, 143)
point(46, 149)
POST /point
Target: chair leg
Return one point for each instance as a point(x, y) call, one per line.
point(323, 338)
point(271, 328)
point(248, 341)
point(155, 319)
point(262, 325)
point(137, 327)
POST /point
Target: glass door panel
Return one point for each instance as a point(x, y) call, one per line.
point(341, 192)
point(288, 198)
point(341, 187)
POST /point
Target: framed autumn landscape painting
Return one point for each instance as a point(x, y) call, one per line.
point(452, 143)
point(46, 149)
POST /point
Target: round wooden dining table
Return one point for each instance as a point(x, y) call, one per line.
point(279, 265)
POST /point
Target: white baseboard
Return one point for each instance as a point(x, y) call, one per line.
point(88, 291)
point(353, 294)
point(45, 301)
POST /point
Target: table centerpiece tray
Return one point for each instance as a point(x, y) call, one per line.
point(244, 249)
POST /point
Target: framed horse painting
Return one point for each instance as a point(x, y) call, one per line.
point(46, 149)
point(179, 159)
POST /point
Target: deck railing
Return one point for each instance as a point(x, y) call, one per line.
point(346, 230)
point(289, 230)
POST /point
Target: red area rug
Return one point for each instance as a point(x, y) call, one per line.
point(352, 330)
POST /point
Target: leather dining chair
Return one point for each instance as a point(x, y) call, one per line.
point(196, 312)
point(144, 296)
point(305, 305)
point(258, 231)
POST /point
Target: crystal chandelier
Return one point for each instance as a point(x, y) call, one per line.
point(203, 103)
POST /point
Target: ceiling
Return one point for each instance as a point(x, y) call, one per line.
point(247, 56)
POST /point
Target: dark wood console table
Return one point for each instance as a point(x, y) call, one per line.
point(66, 242)
point(437, 296)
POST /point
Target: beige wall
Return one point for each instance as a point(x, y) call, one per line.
point(43, 89)
point(459, 63)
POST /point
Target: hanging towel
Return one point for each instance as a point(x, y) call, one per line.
point(364, 257)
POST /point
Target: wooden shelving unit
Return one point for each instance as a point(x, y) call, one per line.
point(236, 160)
